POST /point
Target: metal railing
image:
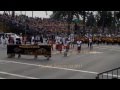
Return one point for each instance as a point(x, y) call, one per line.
point(110, 74)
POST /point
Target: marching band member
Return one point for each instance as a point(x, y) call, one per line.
point(11, 40)
point(60, 46)
point(2, 41)
point(67, 46)
point(79, 44)
point(90, 43)
point(32, 40)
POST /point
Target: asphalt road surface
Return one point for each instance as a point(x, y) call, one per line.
point(85, 65)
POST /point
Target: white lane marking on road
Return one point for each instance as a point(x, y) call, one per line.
point(1, 62)
point(58, 52)
point(94, 52)
point(17, 75)
point(2, 78)
point(50, 67)
point(108, 48)
point(60, 68)
point(76, 53)
point(114, 47)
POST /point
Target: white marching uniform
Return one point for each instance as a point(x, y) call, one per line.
point(32, 40)
point(90, 40)
point(1, 40)
point(79, 43)
point(6, 41)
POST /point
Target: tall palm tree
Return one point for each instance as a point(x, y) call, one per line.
point(84, 14)
point(66, 15)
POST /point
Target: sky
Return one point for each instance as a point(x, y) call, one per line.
point(41, 14)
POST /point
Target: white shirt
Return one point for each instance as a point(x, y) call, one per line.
point(72, 39)
point(59, 39)
point(37, 38)
point(32, 38)
point(60, 42)
point(1, 40)
point(21, 39)
point(14, 39)
point(79, 43)
point(63, 39)
point(90, 40)
point(6, 40)
point(67, 43)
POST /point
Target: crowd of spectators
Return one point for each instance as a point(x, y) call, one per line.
point(36, 25)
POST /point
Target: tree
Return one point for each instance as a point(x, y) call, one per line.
point(69, 15)
point(91, 22)
point(117, 15)
point(83, 13)
point(104, 19)
point(65, 15)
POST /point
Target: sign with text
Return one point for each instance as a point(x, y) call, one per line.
point(29, 49)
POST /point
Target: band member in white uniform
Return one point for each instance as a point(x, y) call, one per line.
point(32, 40)
point(6, 40)
point(90, 43)
point(2, 41)
point(79, 44)
point(67, 46)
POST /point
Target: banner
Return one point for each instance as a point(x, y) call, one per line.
point(29, 49)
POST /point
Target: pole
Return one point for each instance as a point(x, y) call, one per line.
point(32, 14)
point(25, 13)
point(4, 12)
point(13, 13)
point(25, 30)
point(20, 12)
point(46, 13)
point(9, 12)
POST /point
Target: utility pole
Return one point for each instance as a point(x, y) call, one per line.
point(25, 13)
point(46, 13)
point(13, 13)
point(9, 12)
point(32, 14)
point(4, 12)
point(20, 12)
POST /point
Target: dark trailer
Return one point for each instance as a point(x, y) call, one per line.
point(35, 50)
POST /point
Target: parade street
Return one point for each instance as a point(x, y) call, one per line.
point(85, 65)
